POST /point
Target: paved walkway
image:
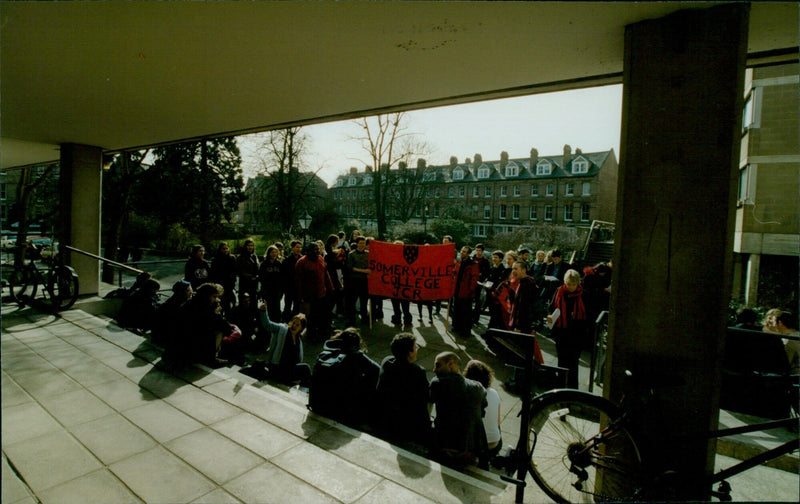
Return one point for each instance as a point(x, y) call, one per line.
point(87, 417)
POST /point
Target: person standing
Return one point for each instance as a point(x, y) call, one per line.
point(290, 306)
point(270, 281)
point(312, 284)
point(483, 267)
point(223, 272)
point(358, 288)
point(196, 271)
point(524, 306)
point(247, 269)
point(466, 283)
point(499, 294)
point(537, 269)
point(568, 328)
point(335, 258)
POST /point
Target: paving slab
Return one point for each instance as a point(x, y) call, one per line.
point(98, 486)
point(213, 454)
point(13, 489)
point(160, 476)
point(50, 459)
point(121, 394)
point(76, 407)
point(113, 437)
point(257, 435)
point(269, 483)
point(200, 405)
point(26, 421)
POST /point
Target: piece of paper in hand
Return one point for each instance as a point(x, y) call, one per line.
point(553, 317)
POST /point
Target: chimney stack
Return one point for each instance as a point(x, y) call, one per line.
point(453, 161)
point(534, 157)
point(353, 170)
point(567, 155)
point(421, 164)
point(503, 159)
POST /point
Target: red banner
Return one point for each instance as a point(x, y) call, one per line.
point(412, 272)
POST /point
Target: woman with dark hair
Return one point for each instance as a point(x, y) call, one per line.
point(483, 374)
point(247, 269)
point(270, 281)
point(197, 271)
point(285, 352)
point(201, 328)
point(223, 272)
point(344, 380)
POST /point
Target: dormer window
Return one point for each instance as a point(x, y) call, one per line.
point(429, 177)
point(544, 167)
point(458, 174)
point(367, 179)
point(512, 170)
point(483, 172)
point(352, 181)
point(580, 165)
point(340, 182)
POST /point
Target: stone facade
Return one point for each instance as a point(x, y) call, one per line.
point(570, 189)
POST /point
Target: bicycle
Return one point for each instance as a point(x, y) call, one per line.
point(59, 282)
point(586, 448)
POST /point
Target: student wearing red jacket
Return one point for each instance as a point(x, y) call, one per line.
point(467, 273)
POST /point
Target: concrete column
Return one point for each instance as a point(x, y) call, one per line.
point(751, 286)
point(682, 98)
point(81, 187)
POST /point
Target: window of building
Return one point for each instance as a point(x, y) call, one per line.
point(533, 214)
point(436, 211)
point(585, 212)
point(568, 213)
point(367, 179)
point(570, 190)
point(550, 190)
point(3, 192)
point(548, 212)
point(751, 113)
point(586, 189)
point(516, 190)
point(515, 212)
point(437, 192)
point(580, 165)
point(544, 167)
point(429, 176)
point(746, 183)
point(512, 170)
point(502, 211)
point(487, 212)
point(487, 192)
point(476, 191)
point(340, 182)
point(352, 181)
point(483, 172)
point(503, 191)
point(534, 190)
point(458, 174)
point(451, 192)
point(427, 192)
point(474, 209)
point(480, 230)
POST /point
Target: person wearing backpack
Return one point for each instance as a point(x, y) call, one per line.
point(344, 380)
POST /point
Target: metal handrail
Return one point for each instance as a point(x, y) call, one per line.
point(104, 260)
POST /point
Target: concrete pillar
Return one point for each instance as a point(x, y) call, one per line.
point(751, 286)
point(682, 97)
point(81, 188)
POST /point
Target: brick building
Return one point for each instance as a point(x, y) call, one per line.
point(258, 212)
point(767, 233)
point(570, 189)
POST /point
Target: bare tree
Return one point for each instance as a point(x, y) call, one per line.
point(291, 189)
point(29, 186)
point(388, 144)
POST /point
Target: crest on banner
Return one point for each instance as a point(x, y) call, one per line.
point(410, 253)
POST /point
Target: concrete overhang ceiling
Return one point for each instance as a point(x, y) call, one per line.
point(121, 75)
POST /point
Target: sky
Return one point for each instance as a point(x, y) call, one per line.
point(588, 119)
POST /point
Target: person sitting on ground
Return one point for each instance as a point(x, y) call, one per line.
point(460, 402)
point(201, 328)
point(344, 380)
point(284, 361)
point(138, 311)
point(483, 374)
point(245, 317)
point(165, 325)
point(403, 393)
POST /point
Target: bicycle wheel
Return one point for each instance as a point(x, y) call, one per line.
point(62, 287)
point(22, 284)
point(572, 459)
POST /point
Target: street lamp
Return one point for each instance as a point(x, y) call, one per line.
point(305, 223)
point(425, 219)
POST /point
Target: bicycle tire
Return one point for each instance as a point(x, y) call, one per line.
point(561, 423)
point(22, 284)
point(62, 286)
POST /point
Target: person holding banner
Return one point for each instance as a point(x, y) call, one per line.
point(467, 273)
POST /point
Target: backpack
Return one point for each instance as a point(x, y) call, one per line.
point(329, 374)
